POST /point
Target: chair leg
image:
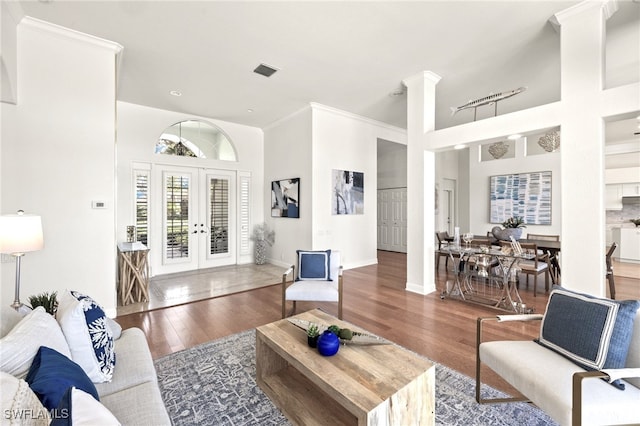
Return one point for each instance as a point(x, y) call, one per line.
point(546, 281)
point(612, 285)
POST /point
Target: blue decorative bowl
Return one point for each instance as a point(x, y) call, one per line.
point(328, 343)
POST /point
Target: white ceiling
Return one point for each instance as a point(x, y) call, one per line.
point(347, 55)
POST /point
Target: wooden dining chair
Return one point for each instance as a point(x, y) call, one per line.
point(442, 239)
point(536, 266)
point(609, 261)
point(553, 257)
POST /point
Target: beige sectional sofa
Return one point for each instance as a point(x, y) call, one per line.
point(132, 396)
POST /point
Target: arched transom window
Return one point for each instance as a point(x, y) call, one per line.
point(195, 138)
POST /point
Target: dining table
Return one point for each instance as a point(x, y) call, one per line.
point(552, 248)
point(486, 276)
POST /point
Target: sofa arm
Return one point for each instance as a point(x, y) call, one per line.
point(608, 374)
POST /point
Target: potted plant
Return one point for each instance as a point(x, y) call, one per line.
point(48, 301)
point(312, 335)
point(262, 236)
point(636, 222)
point(512, 228)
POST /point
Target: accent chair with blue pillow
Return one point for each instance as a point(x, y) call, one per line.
point(318, 279)
point(582, 339)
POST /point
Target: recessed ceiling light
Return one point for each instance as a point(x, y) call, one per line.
point(514, 137)
point(249, 110)
point(175, 93)
point(460, 146)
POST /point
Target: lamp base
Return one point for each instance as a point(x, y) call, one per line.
point(21, 308)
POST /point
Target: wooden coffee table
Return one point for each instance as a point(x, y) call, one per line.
point(361, 384)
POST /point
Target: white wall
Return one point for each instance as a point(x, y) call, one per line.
point(58, 155)
point(138, 130)
point(346, 142)
point(392, 165)
point(288, 155)
point(479, 193)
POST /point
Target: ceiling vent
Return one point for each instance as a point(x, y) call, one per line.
point(265, 70)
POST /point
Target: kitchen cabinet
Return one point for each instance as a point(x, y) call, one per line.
point(628, 240)
point(615, 191)
point(630, 189)
point(613, 197)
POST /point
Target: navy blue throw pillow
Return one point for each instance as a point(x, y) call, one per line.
point(592, 332)
point(314, 265)
point(52, 373)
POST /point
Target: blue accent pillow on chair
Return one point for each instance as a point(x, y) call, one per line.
point(592, 332)
point(314, 265)
point(52, 373)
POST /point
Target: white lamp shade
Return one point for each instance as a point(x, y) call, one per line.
point(20, 233)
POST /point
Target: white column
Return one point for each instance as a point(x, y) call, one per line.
point(420, 183)
point(582, 160)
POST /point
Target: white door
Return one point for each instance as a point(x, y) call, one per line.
point(384, 207)
point(392, 219)
point(217, 218)
point(398, 223)
point(198, 225)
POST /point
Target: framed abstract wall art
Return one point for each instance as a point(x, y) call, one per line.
point(285, 198)
point(347, 195)
point(522, 194)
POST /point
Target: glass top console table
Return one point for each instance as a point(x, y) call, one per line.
point(487, 276)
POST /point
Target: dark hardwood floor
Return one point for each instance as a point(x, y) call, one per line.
point(374, 299)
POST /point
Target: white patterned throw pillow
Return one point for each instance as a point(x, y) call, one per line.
point(21, 344)
point(84, 325)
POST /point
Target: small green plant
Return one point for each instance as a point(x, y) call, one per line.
point(313, 331)
point(48, 301)
point(334, 329)
point(514, 222)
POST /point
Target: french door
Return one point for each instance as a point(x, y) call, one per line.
point(198, 218)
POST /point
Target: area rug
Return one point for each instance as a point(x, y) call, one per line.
point(215, 384)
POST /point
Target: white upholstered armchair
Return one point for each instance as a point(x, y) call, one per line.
point(318, 278)
point(561, 374)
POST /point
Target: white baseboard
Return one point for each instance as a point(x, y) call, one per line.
point(420, 289)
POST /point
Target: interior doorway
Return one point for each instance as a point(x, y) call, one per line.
point(448, 205)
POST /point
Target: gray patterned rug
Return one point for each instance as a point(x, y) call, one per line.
point(214, 384)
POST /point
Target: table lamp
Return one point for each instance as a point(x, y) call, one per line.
point(19, 234)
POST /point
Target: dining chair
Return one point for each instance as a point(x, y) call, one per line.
point(553, 256)
point(609, 261)
point(442, 239)
point(536, 266)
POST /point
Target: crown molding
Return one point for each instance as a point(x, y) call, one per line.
point(317, 106)
point(60, 31)
point(609, 7)
point(285, 118)
point(422, 76)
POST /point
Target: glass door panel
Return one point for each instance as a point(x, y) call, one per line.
point(218, 240)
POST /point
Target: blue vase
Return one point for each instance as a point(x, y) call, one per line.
point(328, 343)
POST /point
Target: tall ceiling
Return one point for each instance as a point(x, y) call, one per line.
point(348, 55)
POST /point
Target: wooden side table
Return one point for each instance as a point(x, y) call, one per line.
point(133, 268)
